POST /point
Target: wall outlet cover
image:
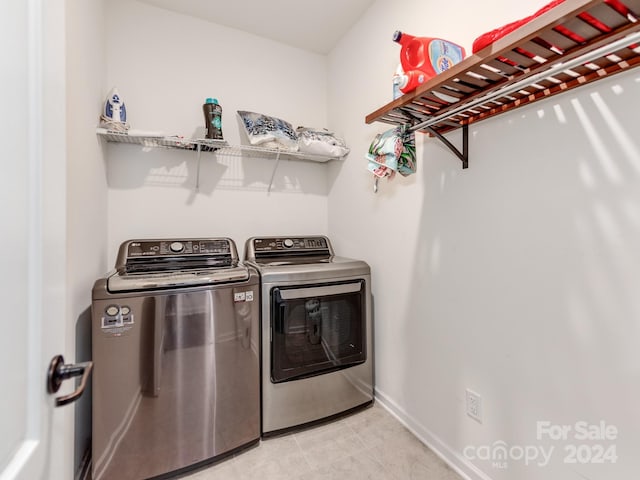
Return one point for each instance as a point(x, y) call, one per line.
point(474, 405)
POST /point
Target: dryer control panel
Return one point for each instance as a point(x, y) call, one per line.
point(276, 244)
point(282, 249)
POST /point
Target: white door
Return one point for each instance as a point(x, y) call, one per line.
point(36, 441)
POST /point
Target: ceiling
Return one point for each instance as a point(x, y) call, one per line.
point(313, 25)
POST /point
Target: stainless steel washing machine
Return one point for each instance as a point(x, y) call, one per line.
point(176, 358)
point(317, 358)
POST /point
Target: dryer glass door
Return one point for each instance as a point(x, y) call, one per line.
point(317, 329)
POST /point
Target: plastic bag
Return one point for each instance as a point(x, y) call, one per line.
point(321, 142)
point(393, 151)
point(269, 132)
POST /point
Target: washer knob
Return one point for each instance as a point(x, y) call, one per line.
point(176, 247)
point(288, 243)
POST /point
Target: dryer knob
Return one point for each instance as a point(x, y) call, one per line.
point(176, 247)
point(288, 243)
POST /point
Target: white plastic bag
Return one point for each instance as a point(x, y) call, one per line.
point(269, 132)
point(321, 142)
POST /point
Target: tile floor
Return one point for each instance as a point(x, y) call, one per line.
point(370, 444)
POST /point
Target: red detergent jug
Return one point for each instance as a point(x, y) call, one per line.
point(429, 55)
point(410, 80)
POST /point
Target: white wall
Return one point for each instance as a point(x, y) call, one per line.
point(164, 66)
point(86, 187)
point(515, 278)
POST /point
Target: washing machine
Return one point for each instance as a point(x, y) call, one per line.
point(175, 333)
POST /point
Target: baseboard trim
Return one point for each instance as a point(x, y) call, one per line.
point(455, 460)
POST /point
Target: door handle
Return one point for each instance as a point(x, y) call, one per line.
point(322, 291)
point(59, 372)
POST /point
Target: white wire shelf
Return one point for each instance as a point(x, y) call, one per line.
point(160, 140)
point(260, 152)
point(205, 145)
point(220, 147)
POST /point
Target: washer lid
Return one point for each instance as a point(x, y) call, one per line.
point(130, 282)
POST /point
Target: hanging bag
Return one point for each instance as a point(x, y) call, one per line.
point(393, 151)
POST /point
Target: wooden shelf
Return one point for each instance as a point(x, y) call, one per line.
point(531, 63)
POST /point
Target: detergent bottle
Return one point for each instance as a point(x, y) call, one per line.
point(398, 78)
point(429, 55)
point(213, 118)
point(410, 80)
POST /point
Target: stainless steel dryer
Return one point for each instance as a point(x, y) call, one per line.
point(317, 344)
point(175, 350)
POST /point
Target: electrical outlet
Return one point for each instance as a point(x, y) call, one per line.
point(474, 405)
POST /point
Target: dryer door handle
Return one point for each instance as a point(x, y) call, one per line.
point(322, 291)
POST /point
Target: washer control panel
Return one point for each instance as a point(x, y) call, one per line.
point(157, 248)
point(176, 247)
